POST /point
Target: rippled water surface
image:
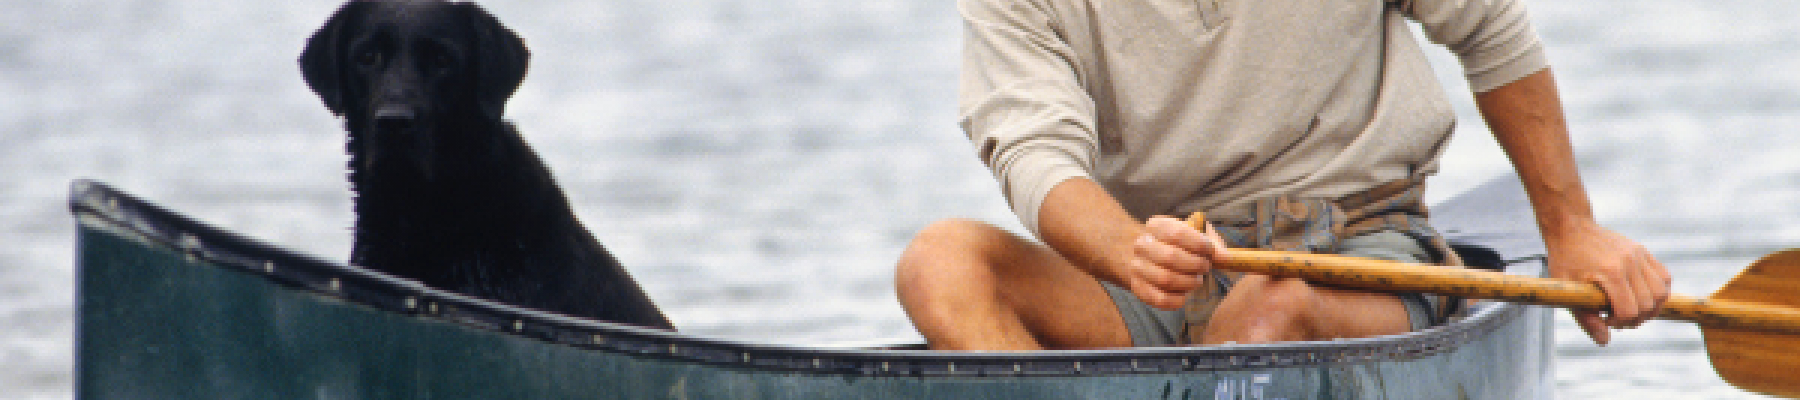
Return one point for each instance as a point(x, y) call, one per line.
point(759, 165)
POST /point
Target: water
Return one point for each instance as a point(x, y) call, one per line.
point(761, 164)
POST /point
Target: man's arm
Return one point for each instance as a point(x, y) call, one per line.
point(1090, 229)
point(1526, 117)
point(1033, 123)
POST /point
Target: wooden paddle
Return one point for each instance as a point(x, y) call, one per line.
point(1751, 325)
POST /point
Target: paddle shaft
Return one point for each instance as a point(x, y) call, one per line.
point(1389, 276)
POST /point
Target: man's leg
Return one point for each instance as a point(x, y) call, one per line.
point(1259, 308)
point(968, 285)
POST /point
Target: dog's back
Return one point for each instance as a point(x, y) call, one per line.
point(447, 192)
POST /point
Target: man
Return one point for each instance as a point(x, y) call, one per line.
point(1303, 124)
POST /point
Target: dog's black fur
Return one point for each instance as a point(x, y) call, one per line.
point(448, 193)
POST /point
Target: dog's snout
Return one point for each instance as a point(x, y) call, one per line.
point(394, 118)
point(395, 113)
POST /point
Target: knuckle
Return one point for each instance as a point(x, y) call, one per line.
point(1174, 255)
point(1182, 282)
point(1160, 280)
point(1158, 251)
point(1144, 245)
point(1165, 280)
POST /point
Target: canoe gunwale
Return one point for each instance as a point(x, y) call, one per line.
point(100, 208)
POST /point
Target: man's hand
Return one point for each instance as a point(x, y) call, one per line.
point(1635, 283)
point(1171, 260)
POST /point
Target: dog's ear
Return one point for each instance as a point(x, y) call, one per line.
point(321, 63)
point(500, 60)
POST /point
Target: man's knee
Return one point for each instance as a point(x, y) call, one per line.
point(953, 234)
point(1284, 296)
point(1283, 309)
point(946, 249)
point(1262, 309)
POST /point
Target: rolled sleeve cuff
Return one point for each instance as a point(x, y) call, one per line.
point(1029, 180)
point(1522, 63)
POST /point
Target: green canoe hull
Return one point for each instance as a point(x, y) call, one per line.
point(170, 308)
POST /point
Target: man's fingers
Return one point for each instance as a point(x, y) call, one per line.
point(1217, 240)
point(1635, 284)
point(1641, 301)
point(1165, 280)
point(1623, 296)
point(1157, 297)
point(1664, 282)
point(1169, 256)
point(1171, 260)
point(1180, 234)
point(1645, 288)
point(1663, 272)
point(1595, 327)
point(1654, 287)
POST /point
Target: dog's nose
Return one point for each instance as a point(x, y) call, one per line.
point(392, 119)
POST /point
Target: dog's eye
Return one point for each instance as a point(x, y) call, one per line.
point(436, 59)
point(441, 62)
point(368, 58)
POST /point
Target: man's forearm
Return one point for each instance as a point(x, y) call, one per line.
point(1526, 117)
point(1084, 223)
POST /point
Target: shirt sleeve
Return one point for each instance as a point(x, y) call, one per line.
point(1021, 101)
point(1493, 38)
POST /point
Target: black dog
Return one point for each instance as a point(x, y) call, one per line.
point(448, 193)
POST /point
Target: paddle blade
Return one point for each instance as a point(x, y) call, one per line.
point(1760, 361)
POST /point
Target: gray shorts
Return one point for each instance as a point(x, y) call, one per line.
point(1151, 326)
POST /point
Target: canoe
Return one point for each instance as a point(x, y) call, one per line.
point(173, 308)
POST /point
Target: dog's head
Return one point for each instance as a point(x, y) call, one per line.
point(398, 71)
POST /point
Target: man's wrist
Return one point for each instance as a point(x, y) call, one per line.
point(1558, 226)
point(1090, 229)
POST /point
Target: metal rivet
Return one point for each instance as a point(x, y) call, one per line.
point(189, 246)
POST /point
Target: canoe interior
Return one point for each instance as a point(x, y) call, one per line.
point(170, 307)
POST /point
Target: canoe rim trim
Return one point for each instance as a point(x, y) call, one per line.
point(100, 207)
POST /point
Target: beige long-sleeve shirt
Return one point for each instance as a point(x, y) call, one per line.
point(1177, 106)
